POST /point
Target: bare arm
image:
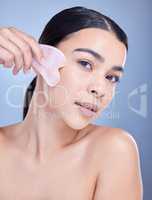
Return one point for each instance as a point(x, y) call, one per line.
point(120, 178)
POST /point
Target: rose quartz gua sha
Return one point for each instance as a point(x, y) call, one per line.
point(50, 64)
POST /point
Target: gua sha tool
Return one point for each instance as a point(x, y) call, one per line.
point(53, 59)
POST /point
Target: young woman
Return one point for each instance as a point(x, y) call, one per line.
point(55, 152)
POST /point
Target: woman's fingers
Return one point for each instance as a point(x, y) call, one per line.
point(4, 42)
point(36, 50)
point(6, 58)
point(23, 46)
point(18, 48)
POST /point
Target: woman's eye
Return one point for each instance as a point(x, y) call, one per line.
point(85, 64)
point(114, 79)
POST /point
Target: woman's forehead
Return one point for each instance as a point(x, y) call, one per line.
point(91, 37)
point(102, 42)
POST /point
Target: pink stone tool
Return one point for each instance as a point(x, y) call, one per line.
point(50, 64)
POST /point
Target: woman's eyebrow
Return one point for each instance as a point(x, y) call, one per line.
point(98, 57)
point(93, 53)
point(118, 68)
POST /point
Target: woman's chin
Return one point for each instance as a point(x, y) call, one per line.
point(75, 119)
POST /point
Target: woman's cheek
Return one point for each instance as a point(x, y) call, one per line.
point(73, 78)
point(107, 100)
point(66, 87)
point(76, 74)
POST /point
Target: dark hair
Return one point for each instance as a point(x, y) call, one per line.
point(67, 22)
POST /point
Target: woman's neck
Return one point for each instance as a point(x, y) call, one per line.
point(43, 133)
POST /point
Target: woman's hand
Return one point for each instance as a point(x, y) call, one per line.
point(17, 49)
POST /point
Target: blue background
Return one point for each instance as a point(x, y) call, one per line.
point(130, 108)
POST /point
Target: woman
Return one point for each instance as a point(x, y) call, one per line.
point(55, 152)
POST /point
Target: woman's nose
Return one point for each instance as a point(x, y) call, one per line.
point(97, 94)
point(98, 88)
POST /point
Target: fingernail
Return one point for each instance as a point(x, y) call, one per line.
point(15, 71)
point(27, 71)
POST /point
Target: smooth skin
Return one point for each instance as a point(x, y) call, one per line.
point(55, 152)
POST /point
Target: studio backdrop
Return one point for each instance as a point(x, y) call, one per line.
point(131, 108)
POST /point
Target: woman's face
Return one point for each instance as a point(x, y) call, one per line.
point(87, 77)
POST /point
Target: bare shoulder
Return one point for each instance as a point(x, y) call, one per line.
point(1, 133)
point(5, 129)
point(108, 138)
point(118, 164)
point(9, 131)
point(110, 145)
point(2, 138)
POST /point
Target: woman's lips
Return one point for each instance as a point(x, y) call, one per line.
point(86, 111)
point(89, 106)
